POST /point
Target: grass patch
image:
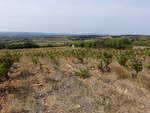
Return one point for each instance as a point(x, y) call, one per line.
point(83, 73)
point(147, 66)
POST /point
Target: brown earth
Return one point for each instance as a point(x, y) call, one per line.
point(55, 89)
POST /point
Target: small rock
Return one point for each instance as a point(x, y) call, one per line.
point(39, 96)
point(51, 100)
point(106, 81)
point(40, 85)
point(142, 106)
point(99, 75)
point(77, 106)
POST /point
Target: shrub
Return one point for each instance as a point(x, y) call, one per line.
point(3, 71)
point(81, 60)
point(35, 60)
point(83, 73)
point(137, 65)
point(122, 59)
point(106, 59)
point(6, 61)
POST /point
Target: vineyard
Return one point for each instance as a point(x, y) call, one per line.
point(74, 80)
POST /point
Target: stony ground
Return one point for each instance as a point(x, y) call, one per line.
point(55, 89)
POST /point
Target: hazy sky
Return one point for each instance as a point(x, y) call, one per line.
point(76, 16)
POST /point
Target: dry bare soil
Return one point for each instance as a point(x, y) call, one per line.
point(56, 89)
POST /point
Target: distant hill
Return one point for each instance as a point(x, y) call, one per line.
point(42, 38)
point(26, 34)
point(38, 34)
point(9, 37)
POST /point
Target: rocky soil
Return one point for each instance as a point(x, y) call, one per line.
point(55, 89)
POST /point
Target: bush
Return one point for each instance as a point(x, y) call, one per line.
point(3, 70)
point(35, 60)
point(106, 59)
point(137, 65)
point(6, 61)
point(122, 59)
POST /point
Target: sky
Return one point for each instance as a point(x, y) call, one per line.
point(76, 16)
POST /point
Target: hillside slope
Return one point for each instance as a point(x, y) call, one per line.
point(54, 88)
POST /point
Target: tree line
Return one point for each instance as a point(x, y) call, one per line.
point(119, 43)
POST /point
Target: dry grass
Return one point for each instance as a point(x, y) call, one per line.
point(144, 80)
point(55, 89)
point(121, 72)
point(83, 73)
